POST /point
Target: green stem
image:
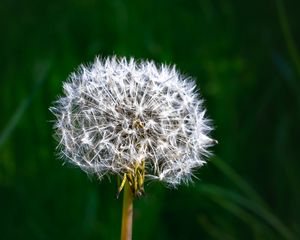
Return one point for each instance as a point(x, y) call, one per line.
point(126, 231)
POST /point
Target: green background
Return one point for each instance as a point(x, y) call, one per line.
point(245, 57)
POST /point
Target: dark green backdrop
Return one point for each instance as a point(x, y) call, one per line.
point(245, 57)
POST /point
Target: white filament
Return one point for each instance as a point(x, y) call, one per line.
point(117, 113)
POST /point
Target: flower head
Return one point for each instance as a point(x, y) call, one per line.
point(132, 119)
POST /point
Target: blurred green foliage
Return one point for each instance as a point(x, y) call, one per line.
point(245, 56)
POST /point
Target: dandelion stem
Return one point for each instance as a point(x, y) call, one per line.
point(126, 231)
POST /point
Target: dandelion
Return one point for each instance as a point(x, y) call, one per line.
point(135, 120)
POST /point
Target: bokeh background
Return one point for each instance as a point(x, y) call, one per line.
point(245, 57)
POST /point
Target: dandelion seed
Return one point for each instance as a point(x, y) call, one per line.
point(135, 119)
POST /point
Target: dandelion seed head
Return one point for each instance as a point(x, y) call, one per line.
point(117, 113)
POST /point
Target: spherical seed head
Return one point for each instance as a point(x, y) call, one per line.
point(118, 115)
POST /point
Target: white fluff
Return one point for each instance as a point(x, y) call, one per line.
point(118, 112)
